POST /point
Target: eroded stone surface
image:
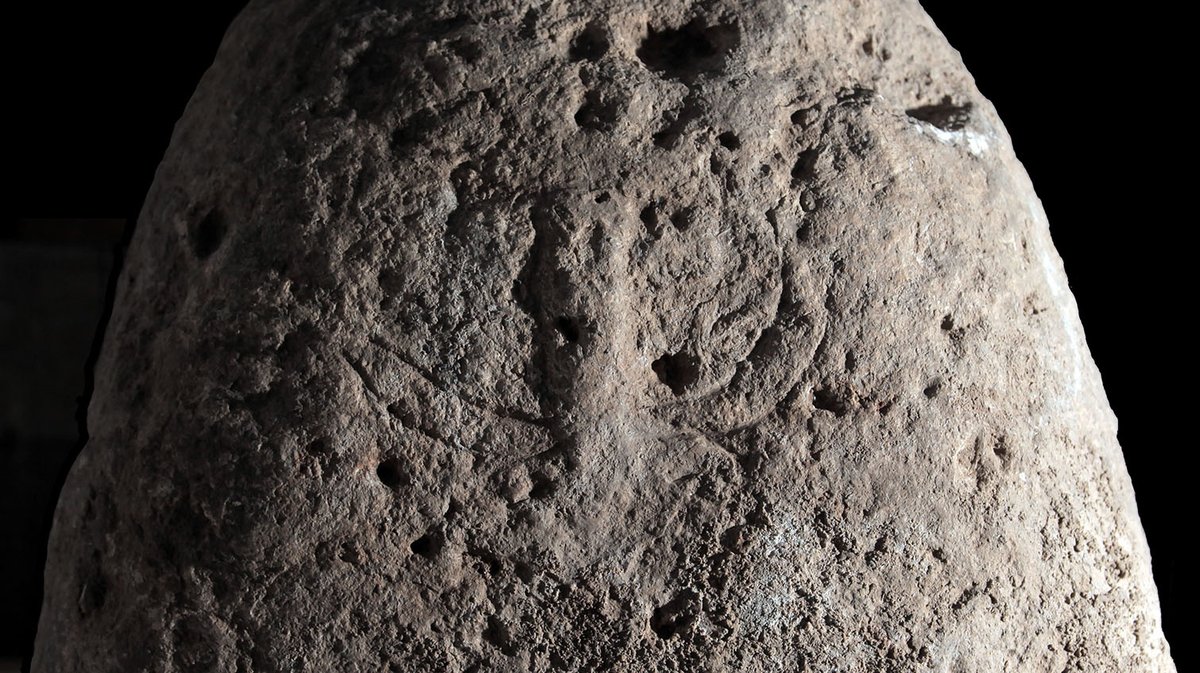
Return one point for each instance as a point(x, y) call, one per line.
point(531, 337)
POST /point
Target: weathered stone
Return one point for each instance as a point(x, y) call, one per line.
point(499, 336)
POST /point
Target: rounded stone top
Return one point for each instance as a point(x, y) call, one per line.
point(513, 336)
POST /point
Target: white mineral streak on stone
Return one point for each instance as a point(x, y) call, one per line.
point(976, 142)
point(1063, 299)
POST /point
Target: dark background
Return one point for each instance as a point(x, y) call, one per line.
point(92, 92)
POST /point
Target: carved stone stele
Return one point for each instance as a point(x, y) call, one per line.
point(599, 336)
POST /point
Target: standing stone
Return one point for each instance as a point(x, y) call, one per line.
point(511, 336)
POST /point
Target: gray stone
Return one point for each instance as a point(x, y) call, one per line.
point(471, 336)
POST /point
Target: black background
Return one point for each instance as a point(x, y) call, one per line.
point(92, 92)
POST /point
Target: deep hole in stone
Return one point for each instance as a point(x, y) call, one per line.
point(668, 137)
point(649, 217)
point(678, 371)
point(931, 391)
point(729, 140)
point(524, 571)
point(543, 487)
point(350, 553)
point(804, 116)
point(391, 473)
point(529, 24)
point(1002, 450)
point(602, 197)
point(428, 545)
point(682, 219)
point(676, 617)
point(662, 625)
point(805, 166)
point(946, 115)
point(830, 399)
point(686, 52)
point(716, 166)
point(567, 328)
point(207, 234)
point(590, 44)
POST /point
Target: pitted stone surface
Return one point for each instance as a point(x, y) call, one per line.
point(510, 336)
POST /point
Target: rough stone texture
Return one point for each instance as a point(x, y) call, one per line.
point(489, 336)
